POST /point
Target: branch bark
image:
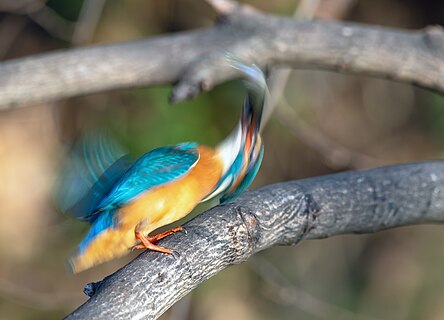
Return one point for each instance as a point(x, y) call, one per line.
point(194, 60)
point(280, 214)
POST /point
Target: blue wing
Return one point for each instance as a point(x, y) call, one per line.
point(93, 166)
point(154, 168)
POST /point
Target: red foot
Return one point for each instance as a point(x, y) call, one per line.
point(148, 242)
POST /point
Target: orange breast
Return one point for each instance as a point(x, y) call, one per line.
point(157, 207)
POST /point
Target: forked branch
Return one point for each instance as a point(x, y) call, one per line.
point(194, 60)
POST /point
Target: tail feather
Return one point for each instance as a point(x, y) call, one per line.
point(242, 150)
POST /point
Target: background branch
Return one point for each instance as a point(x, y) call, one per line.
point(194, 60)
point(335, 154)
point(280, 214)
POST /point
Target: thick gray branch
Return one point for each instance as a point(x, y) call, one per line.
point(280, 214)
point(194, 60)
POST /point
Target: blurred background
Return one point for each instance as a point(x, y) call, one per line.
point(323, 123)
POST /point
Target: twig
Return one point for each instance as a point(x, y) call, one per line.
point(334, 9)
point(334, 153)
point(53, 23)
point(87, 22)
point(279, 78)
point(281, 214)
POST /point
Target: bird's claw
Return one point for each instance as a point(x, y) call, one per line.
point(148, 242)
point(137, 247)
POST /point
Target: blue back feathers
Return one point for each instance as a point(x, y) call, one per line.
point(154, 168)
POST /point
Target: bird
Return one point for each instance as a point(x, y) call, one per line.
point(125, 201)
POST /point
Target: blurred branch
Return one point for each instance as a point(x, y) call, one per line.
point(194, 60)
point(53, 23)
point(181, 309)
point(279, 77)
point(88, 19)
point(284, 292)
point(10, 28)
point(78, 33)
point(280, 214)
point(335, 154)
point(21, 6)
point(334, 9)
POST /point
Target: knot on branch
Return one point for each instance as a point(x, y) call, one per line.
point(237, 24)
point(311, 213)
point(208, 69)
point(241, 233)
point(300, 211)
point(434, 38)
point(250, 222)
point(91, 288)
point(196, 78)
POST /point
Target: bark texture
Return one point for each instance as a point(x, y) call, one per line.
point(280, 214)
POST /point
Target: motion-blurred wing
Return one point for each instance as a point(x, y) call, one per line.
point(94, 165)
point(155, 168)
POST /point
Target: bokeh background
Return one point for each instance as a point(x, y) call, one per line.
point(324, 123)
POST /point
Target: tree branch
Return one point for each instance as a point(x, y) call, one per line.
point(194, 60)
point(280, 214)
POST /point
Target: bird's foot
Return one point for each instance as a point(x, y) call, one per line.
point(148, 242)
point(162, 235)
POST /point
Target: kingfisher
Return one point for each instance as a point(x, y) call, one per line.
point(124, 202)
